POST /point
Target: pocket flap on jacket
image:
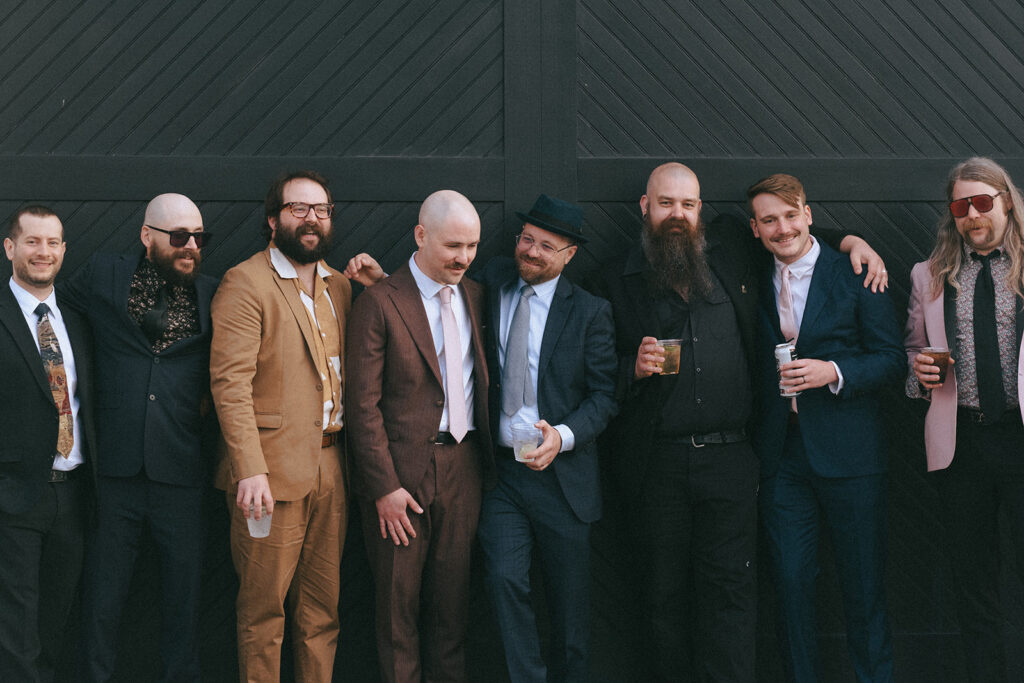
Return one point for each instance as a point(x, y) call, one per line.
point(268, 420)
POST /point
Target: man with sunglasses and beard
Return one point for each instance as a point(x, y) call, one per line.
point(680, 446)
point(967, 298)
point(276, 367)
point(150, 315)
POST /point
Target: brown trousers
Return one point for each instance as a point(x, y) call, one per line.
point(300, 560)
point(422, 590)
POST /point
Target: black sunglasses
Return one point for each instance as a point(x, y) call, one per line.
point(180, 238)
point(982, 202)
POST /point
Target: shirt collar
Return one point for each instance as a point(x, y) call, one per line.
point(286, 269)
point(804, 265)
point(545, 290)
point(428, 286)
point(28, 301)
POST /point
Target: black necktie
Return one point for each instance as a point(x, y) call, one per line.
point(154, 321)
point(986, 343)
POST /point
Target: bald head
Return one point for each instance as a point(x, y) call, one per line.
point(447, 236)
point(173, 211)
point(672, 172)
point(447, 206)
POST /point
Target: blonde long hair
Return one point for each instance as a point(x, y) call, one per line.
point(947, 257)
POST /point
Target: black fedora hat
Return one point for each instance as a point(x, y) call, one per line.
point(557, 216)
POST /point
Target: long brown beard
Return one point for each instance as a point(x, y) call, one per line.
point(678, 259)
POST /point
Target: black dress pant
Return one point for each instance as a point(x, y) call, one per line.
point(174, 518)
point(40, 563)
point(696, 521)
point(985, 478)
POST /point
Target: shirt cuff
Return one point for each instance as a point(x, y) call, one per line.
point(837, 386)
point(568, 439)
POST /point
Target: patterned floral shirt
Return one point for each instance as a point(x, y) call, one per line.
point(182, 309)
point(1006, 328)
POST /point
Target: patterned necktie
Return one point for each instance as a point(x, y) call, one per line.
point(455, 391)
point(53, 364)
point(991, 395)
point(516, 388)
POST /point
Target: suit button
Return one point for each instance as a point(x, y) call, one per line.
point(439, 403)
point(152, 397)
point(156, 361)
point(318, 422)
point(319, 387)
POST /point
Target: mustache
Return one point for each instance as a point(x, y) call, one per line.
point(979, 222)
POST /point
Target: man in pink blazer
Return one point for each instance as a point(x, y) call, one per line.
point(968, 297)
point(416, 410)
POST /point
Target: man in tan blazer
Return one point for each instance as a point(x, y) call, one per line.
point(276, 373)
point(417, 415)
point(968, 297)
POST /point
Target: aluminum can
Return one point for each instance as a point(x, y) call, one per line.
point(784, 353)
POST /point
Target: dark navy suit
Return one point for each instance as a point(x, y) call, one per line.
point(152, 410)
point(41, 524)
point(827, 464)
point(551, 509)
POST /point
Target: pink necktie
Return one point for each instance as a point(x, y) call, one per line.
point(453, 368)
point(787, 319)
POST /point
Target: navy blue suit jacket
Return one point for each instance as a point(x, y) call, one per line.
point(843, 322)
point(575, 377)
point(28, 417)
point(152, 409)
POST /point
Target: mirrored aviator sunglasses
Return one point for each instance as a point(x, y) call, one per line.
point(179, 238)
point(982, 202)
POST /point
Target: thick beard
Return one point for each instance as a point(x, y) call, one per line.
point(678, 259)
point(164, 264)
point(291, 246)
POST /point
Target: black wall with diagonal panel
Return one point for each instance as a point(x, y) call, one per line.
point(110, 102)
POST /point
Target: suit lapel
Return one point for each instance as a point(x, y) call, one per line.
point(561, 307)
point(405, 294)
point(12, 318)
point(768, 302)
point(949, 319)
point(298, 309)
point(822, 281)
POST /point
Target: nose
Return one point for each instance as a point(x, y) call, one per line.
point(972, 211)
point(191, 241)
point(677, 211)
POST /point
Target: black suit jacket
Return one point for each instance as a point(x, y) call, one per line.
point(28, 418)
point(152, 409)
point(575, 377)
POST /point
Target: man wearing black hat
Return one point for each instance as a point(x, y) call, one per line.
point(552, 362)
point(563, 384)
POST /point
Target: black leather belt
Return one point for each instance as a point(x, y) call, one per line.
point(331, 438)
point(1010, 417)
point(62, 475)
point(701, 440)
point(446, 438)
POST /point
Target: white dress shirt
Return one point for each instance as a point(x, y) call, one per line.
point(432, 305)
point(800, 272)
point(28, 303)
point(540, 305)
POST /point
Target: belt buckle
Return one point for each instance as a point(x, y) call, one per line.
point(695, 444)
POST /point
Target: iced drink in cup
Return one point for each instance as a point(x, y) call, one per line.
point(672, 348)
point(940, 358)
point(525, 438)
point(258, 528)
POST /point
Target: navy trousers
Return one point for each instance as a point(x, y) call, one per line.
point(795, 505)
point(527, 510)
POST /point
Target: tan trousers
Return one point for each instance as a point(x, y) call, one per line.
point(300, 560)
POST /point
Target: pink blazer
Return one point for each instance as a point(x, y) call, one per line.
point(926, 327)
